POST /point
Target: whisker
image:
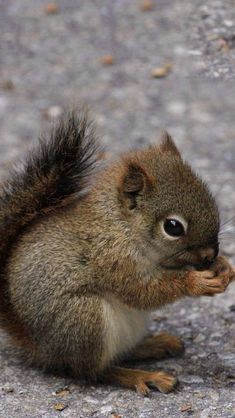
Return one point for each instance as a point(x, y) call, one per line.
point(224, 233)
point(227, 231)
point(176, 254)
point(228, 238)
point(227, 227)
point(232, 219)
point(227, 234)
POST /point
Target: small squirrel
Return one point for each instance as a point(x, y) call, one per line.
point(86, 254)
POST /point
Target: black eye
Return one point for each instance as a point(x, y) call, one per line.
point(174, 228)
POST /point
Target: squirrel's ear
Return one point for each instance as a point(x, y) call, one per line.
point(134, 181)
point(168, 145)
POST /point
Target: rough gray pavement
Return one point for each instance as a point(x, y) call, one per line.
point(50, 62)
point(211, 30)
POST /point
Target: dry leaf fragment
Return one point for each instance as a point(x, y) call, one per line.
point(63, 392)
point(160, 72)
point(186, 408)
point(7, 85)
point(107, 60)
point(223, 45)
point(60, 406)
point(7, 389)
point(51, 8)
point(146, 6)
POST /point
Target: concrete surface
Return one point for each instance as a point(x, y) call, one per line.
point(49, 62)
point(211, 29)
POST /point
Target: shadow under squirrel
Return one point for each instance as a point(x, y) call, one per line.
point(84, 258)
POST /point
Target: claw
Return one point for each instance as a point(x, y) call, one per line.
point(142, 389)
point(165, 383)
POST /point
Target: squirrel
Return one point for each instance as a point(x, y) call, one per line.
point(87, 254)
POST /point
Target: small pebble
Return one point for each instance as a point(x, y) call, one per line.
point(228, 23)
point(199, 394)
point(191, 379)
point(52, 112)
point(199, 338)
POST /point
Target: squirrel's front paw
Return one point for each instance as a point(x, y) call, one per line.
point(206, 283)
point(222, 268)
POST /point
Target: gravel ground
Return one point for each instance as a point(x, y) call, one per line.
point(50, 62)
point(212, 34)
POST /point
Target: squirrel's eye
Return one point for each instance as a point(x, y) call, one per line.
point(174, 228)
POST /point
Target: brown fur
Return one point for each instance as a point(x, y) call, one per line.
point(158, 347)
point(81, 266)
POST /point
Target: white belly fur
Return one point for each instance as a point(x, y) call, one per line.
point(124, 328)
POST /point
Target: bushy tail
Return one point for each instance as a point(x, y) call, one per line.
point(52, 175)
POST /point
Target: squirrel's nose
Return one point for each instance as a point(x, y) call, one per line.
point(208, 254)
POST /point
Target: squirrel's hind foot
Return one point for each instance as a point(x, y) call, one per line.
point(140, 380)
point(157, 347)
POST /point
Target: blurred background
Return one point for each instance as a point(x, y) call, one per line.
point(132, 63)
point(140, 66)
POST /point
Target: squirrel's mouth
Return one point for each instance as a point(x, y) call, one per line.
point(193, 258)
point(187, 265)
